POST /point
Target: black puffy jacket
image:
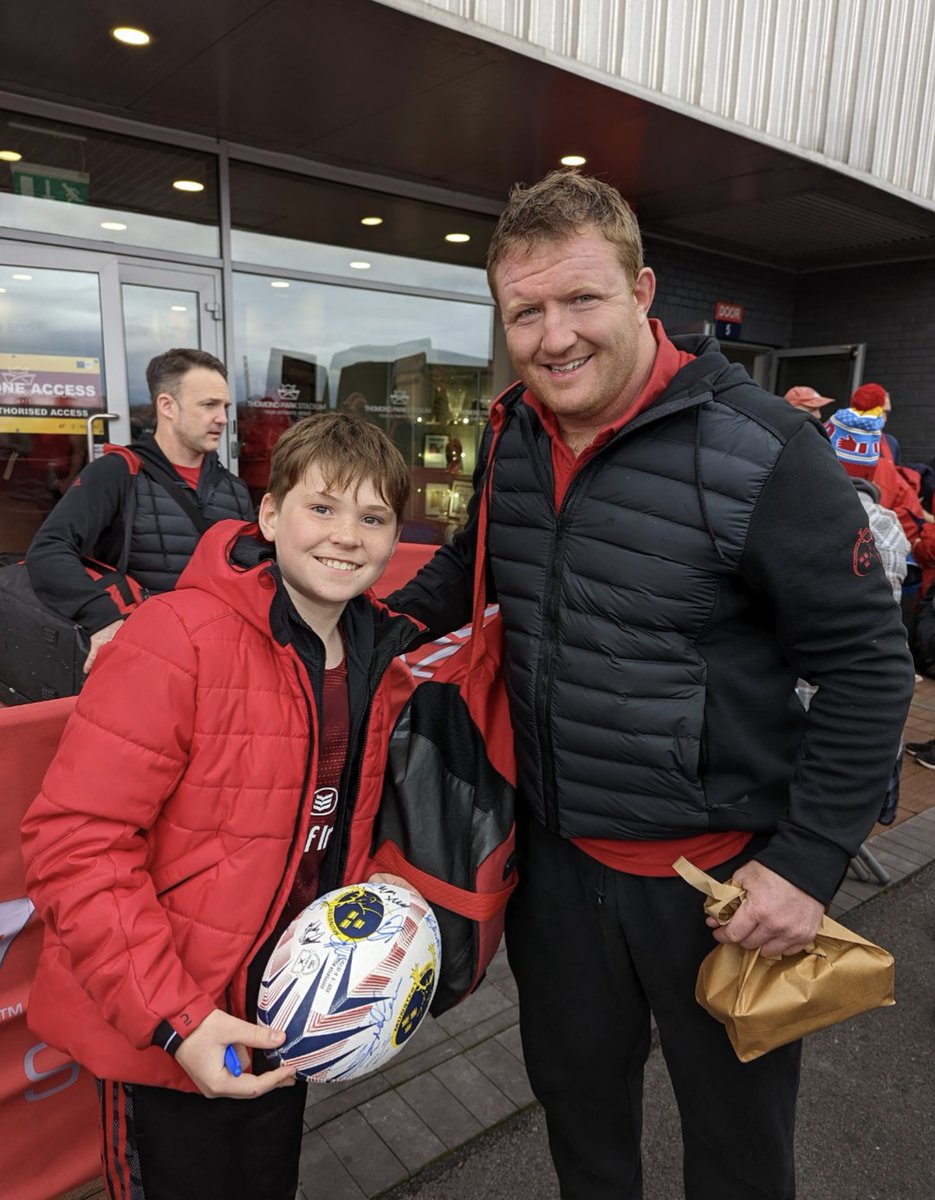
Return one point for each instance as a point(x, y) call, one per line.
point(89, 521)
point(657, 623)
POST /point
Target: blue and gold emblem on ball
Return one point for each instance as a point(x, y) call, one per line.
point(355, 913)
point(417, 1002)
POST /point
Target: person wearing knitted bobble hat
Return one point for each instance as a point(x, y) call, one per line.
point(857, 436)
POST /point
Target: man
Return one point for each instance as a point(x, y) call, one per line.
point(177, 487)
point(807, 399)
point(662, 583)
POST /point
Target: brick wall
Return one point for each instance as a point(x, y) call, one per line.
point(690, 282)
point(892, 309)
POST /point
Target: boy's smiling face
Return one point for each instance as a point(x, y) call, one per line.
point(331, 543)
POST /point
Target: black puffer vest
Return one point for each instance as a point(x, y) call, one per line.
point(164, 537)
point(607, 605)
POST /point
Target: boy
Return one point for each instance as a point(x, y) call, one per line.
point(215, 755)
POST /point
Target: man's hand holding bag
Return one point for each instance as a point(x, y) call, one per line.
point(766, 1002)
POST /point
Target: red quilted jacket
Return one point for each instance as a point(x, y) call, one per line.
point(165, 840)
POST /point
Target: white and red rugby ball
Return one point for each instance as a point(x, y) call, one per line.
point(350, 980)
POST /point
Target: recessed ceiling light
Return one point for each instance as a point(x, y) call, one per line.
point(130, 36)
point(188, 185)
point(117, 225)
point(371, 220)
point(457, 237)
point(281, 283)
point(26, 277)
point(359, 265)
point(573, 160)
point(2, 289)
point(10, 155)
point(178, 308)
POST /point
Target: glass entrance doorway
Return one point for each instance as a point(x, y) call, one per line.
point(76, 332)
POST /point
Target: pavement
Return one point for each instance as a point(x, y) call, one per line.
point(452, 1116)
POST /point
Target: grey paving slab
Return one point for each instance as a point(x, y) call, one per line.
point(511, 1040)
point(324, 1105)
point(443, 1112)
point(484, 1003)
point(487, 1029)
point(499, 966)
point(403, 1130)
point(475, 1091)
point(363, 1153)
point(890, 858)
point(321, 1172)
point(399, 1071)
point(503, 1069)
point(506, 986)
point(906, 847)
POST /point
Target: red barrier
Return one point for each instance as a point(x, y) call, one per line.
point(47, 1103)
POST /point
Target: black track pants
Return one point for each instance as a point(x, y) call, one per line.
point(594, 951)
point(160, 1144)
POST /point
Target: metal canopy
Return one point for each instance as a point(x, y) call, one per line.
point(354, 84)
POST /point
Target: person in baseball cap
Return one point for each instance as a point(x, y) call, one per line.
point(807, 399)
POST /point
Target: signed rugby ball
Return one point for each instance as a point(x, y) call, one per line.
point(350, 980)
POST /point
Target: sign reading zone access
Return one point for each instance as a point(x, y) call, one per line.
point(48, 393)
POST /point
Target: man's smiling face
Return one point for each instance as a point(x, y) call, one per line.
point(576, 326)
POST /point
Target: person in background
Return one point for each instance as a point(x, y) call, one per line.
point(662, 581)
point(179, 484)
point(212, 761)
point(807, 399)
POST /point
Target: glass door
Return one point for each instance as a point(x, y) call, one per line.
point(164, 308)
point(834, 371)
point(76, 332)
point(55, 355)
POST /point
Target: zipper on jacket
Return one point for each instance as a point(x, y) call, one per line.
point(545, 677)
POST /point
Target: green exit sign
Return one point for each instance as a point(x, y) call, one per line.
point(51, 183)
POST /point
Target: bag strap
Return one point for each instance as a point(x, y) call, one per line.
point(479, 906)
point(179, 492)
point(129, 501)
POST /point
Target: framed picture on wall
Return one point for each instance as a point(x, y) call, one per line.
point(437, 499)
point(461, 493)
point(433, 450)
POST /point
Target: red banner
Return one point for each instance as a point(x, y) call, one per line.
point(47, 1103)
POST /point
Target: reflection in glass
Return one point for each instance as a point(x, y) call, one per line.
point(155, 319)
point(51, 380)
point(304, 224)
point(419, 368)
point(82, 183)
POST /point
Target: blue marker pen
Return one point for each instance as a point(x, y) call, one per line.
point(231, 1061)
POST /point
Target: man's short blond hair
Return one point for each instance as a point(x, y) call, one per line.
point(559, 206)
point(347, 451)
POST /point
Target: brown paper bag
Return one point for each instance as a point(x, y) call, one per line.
point(767, 1002)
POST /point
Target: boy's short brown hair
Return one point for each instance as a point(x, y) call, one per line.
point(560, 205)
point(347, 450)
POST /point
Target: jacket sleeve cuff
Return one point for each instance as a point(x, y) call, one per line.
point(814, 865)
point(97, 614)
point(170, 1033)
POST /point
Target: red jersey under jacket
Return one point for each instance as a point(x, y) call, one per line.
point(164, 843)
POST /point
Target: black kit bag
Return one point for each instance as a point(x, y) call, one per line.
point(446, 817)
point(42, 653)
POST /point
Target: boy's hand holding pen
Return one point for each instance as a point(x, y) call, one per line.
point(211, 1056)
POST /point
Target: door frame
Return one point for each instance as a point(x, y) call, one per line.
point(856, 352)
point(113, 270)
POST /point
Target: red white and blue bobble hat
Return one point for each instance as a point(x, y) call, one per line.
point(855, 435)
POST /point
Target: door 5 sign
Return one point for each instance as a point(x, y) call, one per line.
point(728, 320)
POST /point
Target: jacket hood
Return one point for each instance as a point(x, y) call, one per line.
point(147, 448)
point(233, 561)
